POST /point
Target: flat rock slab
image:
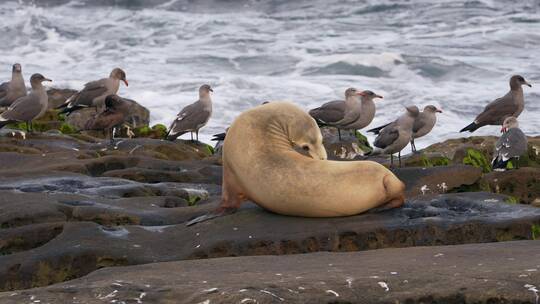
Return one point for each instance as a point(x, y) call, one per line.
point(45, 152)
point(435, 180)
point(507, 272)
point(109, 187)
point(78, 248)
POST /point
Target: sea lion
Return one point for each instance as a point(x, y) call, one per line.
point(273, 155)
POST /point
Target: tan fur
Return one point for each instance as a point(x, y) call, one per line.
point(261, 163)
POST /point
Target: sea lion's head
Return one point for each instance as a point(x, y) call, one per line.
point(306, 138)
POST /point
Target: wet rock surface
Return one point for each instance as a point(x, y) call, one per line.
point(506, 272)
point(100, 231)
point(72, 204)
point(435, 180)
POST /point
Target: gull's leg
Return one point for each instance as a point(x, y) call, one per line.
point(111, 136)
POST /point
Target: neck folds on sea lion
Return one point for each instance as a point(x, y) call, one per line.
point(297, 136)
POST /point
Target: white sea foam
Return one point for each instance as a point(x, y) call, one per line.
point(455, 54)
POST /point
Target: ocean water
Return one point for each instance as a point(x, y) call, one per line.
point(455, 54)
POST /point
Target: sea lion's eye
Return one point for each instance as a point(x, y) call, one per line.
point(305, 148)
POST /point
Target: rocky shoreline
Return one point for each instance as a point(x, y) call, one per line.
point(71, 205)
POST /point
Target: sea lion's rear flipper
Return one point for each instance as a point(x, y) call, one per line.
point(231, 199)
point(211, 215)
point(394, 203)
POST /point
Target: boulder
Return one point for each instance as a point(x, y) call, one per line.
point(522, 185)
point(139, 116)
point(58, 96)
point(351, 146)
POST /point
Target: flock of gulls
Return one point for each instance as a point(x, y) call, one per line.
point(354, 113)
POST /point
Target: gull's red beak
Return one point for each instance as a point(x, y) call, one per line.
point(126, 82)
point(438, 111)
point(503, 130)
point(379, 96)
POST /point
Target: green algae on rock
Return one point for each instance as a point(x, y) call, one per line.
point(477, 159)
point(66, 128)
point(363, 142)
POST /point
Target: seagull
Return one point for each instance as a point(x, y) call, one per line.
point(94, 93)
point(367, 111)
point(194, 116)
point(424, 123)
point(512, 144)
point(28, 107)
point(511, 104)
point(115, 113)
point(339, 113)
point(14, 89)
point(395, 136)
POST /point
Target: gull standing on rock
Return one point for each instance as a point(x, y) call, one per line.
point(14, 89)
point(511, 104)
point(511, 144)
point(367, 111)
point(339, 113)
point(94, 93)
point(395, 136)
point(28, 107)
point(115, 113)
point(424, 123)
point(194, 116)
